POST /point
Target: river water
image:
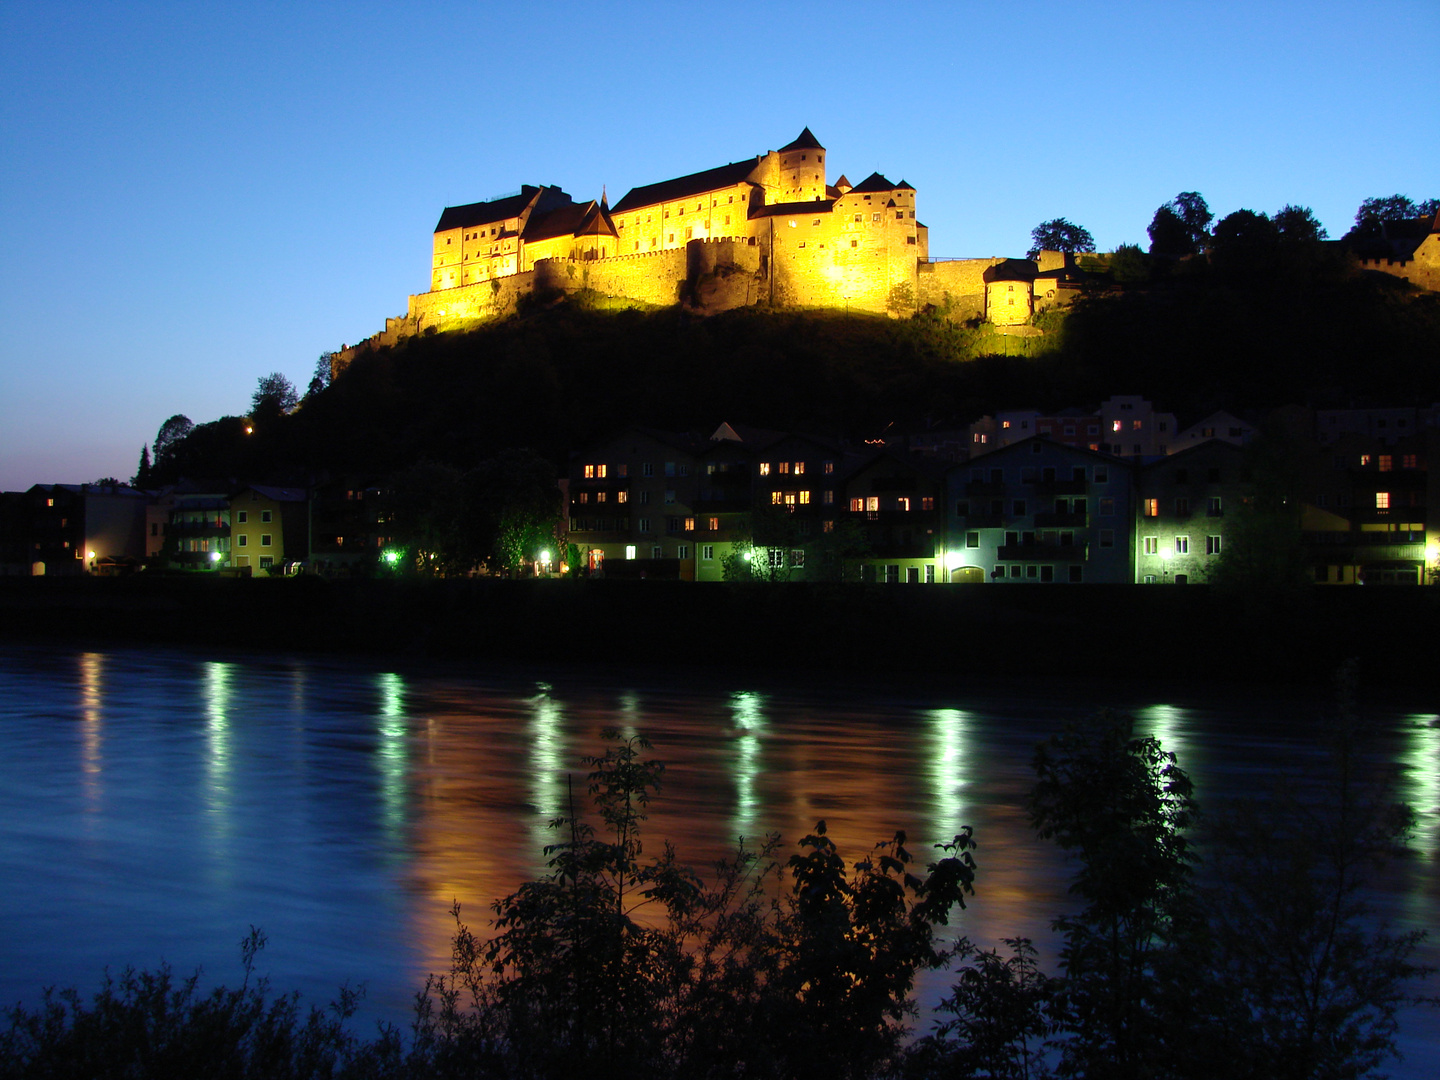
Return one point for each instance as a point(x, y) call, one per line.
point(155, 805)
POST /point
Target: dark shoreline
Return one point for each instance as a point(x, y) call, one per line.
point(1191, 634)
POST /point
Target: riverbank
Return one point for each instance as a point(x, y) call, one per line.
point(1189, 633)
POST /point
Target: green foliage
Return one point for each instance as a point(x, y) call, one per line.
point(1313, 978)
point(1058, 234)
point(1121, 805)
point(1000, 1010)
point(1298, 225)
point(618, 964)
point(151, 1024)
point(274, 396)
point(901, 301)
point(142, 472)
point(1180, 227)
point(1129, 265)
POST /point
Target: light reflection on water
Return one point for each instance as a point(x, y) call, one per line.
point(154, 807)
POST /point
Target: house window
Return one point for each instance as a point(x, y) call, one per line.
point(1212, 545)
point(927, 503)
point(902, 503)
point(657, 551)
point(1152, 545)
point(828, 525)
point(622, 496)
point(1182, 507)
point(1107, 538)
point(764, 468)
point(707, 552)
point(1182, 545)
point(827, 497)
point(241, 516)
point(775, 557)
point(266, 561)
point(1212, 506)
point(242, 540)
point(1152, 507)
point(669, 497)
point(1386, 461)
point(972, 539)
point(1407, 461)
point(1382, 500)
point(647, 469)
point(683, 551)
point(689, 525)
point(644, 525)
point(264, 539)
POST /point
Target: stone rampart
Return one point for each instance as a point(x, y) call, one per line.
point(961, 282)
point(650, 277)
point(1422, 268)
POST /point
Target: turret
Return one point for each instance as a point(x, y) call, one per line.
point(802, 169)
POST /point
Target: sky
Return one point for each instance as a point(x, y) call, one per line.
point(196, 195)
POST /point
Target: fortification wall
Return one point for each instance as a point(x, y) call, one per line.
point(483, 300)
point(1422, 268)
point(723, 274)
point(653, 277)
point(961, 282)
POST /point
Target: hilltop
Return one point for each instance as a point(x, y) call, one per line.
point(564, 371)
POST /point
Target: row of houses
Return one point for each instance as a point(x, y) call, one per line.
point(1017, 498)
point(745, 502)
point(70, 529)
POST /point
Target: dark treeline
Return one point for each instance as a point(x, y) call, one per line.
point(1231, 945)
point(1247, 329)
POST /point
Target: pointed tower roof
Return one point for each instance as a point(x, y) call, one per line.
point(874, 182)
point(844, 183)
point(596, 222)
point(804, 141)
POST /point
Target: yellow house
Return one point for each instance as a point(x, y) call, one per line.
point(258, 540)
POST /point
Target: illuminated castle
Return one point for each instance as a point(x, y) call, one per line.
point(771, 229)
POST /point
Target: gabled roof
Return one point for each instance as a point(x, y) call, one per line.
point(484, 213)
point(874, 182)
point(815, 206)
point(564, 221)
point(903, 186)
point(1010, 270)
point(804, 141)
point(596, 222)
point(278, 494)
point(682, 187)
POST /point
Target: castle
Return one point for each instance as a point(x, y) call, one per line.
point(770, 229)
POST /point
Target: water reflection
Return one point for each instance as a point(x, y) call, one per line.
point(92, 678)
point(747, 714)
point(948, 767)
point(216, 678)
point(1420, 762)
point(549, 764)
point(392, 757)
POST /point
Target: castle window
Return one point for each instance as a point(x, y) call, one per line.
point(912, 213)
point(671, 239)
point(792, 223)
point(875, 216)
point(910, 239)
point(637, 245)
point(817, 221)
point(690, 232)
point(802, 243)
point(899, 215)
point(859, 217)
point(854, 243)
point(727, 219)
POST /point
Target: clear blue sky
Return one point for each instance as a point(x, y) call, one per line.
point(194, 195)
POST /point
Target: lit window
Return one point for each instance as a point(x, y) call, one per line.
point(622, 496)
point(872, 503)
point(776, 498)
point(600, 472)
point(714, 524)
point(1382, 500)
point(804, 498)
point(1152, 507)
point(1364, 460)
point(689, 526)
point(584, 496)
point(1135, 424)
point(1386, 461)
point(828, 525)
point(857, 504)
point(629, 551)
point(799, 468)
point(1152, 545)
point(600, 496)
point(1115, 426)
point(764, 468)
point(927, 503)
point(1182, 545)
point(828, 497)
point(784, 467)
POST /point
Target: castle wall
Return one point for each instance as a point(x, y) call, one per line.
point(670, 225)
point(654, 278)
point(1422, 268)
point(960, 281)
point(484, 300)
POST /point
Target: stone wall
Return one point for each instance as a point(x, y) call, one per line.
point(1422, 268)
point(653, 278)
point(960, 281)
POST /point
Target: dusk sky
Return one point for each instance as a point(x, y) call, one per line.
point(195, 195)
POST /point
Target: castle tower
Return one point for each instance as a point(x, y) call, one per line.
point(802, 169)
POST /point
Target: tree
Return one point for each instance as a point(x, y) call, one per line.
point(1314, 978)
point(511, 509)
point(1129, 265)
point(618, 963)
point(142, 473)
point(1179, 227)
point(172, 432)
point(1298, 225)
point(1001, 1009)
point(1057, 234)
point(1245, 243)
point(274, 395)
point(1122, 806)
point(323, 369)
point(1374, 212)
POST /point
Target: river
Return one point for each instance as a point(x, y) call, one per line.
point(155, 805)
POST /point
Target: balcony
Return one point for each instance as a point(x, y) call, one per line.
point(1041, 553)
point(1059, 487)
point(198, 528)
point(1061, 521)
